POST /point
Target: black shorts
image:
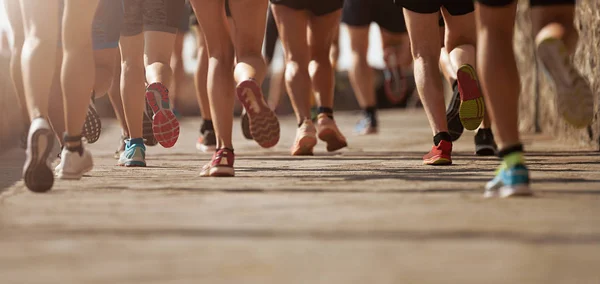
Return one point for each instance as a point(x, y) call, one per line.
point(317, 7)
point(551, 2)
point(360, 13)
point(194, 21)
point(454, 7)
point(496, 3)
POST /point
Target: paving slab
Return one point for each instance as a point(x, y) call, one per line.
point(369, 214)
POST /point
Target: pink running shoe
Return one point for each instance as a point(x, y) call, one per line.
point(221, 164)
point(164, 122)
point(264, 125)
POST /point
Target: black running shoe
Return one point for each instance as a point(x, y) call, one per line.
point(147, 132)
point(485, 145)
point(207, 141)
point(93, 125)
point(455, 127)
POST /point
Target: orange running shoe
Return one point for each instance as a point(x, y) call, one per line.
point(306, 139)
point(330, 133)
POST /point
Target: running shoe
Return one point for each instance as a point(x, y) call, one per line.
point(73, 165)
point(306, 139)
point(330, 133)
point(472, 106)
point(221, 164)
point(147, 132)
point(264, 126)
point(134, 154)
point(485, 145)
point(121, 148)
point(455, 127)
point(439, 155)
point(37, 173)
point(366, 126)
point(164, 122)
point(394, 81)
point(207, 141)
point(23, 138)
point(509, 181)
point(574, 100)
point(93, 125)
point(245, 121)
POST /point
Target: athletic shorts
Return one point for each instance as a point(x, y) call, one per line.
point(152, 15)
point(360, 13)
point(106, 28)
point(531, 2)
point(496, 3)
point(454, 7)
point(193, 21)
point(184, 23)
point(316, 7)
point(551, 2)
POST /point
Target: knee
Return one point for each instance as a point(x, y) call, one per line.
point(131, 66)
point(320, 56)
point(295, 69)
point(425, 54)
point(17, 44)
point(455, 40)
point(40, 40)
point(358, 58)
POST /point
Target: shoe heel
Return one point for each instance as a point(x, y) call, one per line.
point(264, 125)
point(515, 190)
point(37, 175)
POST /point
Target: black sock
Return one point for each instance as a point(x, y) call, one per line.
point(327, 111)
point(487, 131)
point(371, 113)
point(73, 139)
point(441, 136)
point(510, 150)
point(455, 86)
point(206, 125)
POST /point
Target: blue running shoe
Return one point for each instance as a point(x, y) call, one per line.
point(366, 126)
point(134, 154)
point(509, 181)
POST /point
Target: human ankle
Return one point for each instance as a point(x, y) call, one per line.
point(441, 136)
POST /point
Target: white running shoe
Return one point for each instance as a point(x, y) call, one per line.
point(574, 100)
point(36, 172)
point(72, 165)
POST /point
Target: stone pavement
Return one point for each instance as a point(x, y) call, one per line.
point(370, 214)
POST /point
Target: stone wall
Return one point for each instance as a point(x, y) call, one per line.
point(536, 109)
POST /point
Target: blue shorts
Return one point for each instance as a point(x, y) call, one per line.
point(106, 27)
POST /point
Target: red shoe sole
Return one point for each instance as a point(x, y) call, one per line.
point(164, 123)
point(264, 125)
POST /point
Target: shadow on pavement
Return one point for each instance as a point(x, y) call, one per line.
point(11, 167)
point(324, 235)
